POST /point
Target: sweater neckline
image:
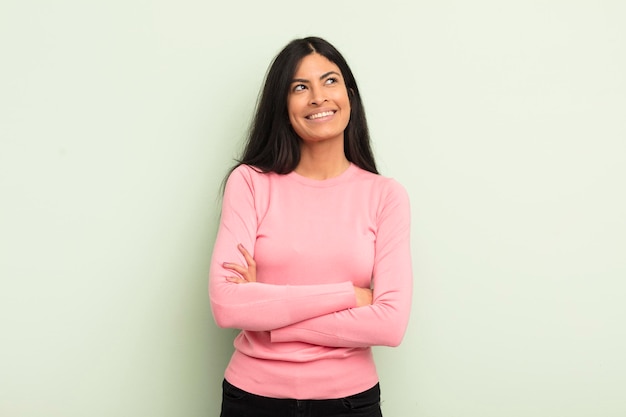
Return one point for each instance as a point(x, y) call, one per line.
point(329, 182)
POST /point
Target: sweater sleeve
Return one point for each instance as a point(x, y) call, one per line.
point(385, 321)
point(260, 306)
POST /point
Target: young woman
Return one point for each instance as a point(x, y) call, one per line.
point(312, 259)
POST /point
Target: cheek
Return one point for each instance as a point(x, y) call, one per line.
point(290, 114)
point(344, 99)
point(348, 109)
point(294, 106)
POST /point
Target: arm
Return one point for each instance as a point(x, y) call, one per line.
point(259, 306)
point(385, 321)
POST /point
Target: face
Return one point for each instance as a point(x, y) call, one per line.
point(318, 103)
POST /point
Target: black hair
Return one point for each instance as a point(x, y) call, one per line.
point(272, 144)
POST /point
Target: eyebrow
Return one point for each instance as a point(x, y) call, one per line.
point(302, 80)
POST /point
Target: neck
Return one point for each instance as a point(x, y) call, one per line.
point(322, 161)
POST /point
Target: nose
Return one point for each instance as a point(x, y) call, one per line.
point(317, 96)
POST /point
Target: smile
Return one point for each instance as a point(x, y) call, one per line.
point(320, 115)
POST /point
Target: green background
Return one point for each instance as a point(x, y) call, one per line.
point(505, 120)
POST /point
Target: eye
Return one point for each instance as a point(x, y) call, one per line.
point(298, 87)
point(330, 80)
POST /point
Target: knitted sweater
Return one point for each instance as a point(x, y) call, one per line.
point(302, 335)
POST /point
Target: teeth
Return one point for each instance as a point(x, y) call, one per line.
point(322, 114)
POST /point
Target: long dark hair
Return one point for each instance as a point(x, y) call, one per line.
point(272, 144)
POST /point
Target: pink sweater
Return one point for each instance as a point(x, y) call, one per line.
point(303, 336)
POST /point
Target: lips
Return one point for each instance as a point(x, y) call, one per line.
point(321, 114)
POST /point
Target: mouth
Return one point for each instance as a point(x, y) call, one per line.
point(321, 114)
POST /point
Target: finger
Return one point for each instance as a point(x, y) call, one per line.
point(243, 272)
point(236, 280)
point(249, 259)
point(235, 267)
point(250, 274)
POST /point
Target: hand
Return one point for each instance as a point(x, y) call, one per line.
point(246, 273)
point(364, 296)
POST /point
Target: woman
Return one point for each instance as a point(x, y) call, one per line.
point(308, 227)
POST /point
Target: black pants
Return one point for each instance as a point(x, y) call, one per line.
point(239, 403)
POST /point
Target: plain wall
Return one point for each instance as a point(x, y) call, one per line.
point(504, 120)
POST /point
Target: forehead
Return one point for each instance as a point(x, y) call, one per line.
point(315, 65)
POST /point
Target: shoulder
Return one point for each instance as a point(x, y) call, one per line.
point(387, 197)
point(246, 174)
point(243, 180)
point(245, 171)
point(387, 187)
